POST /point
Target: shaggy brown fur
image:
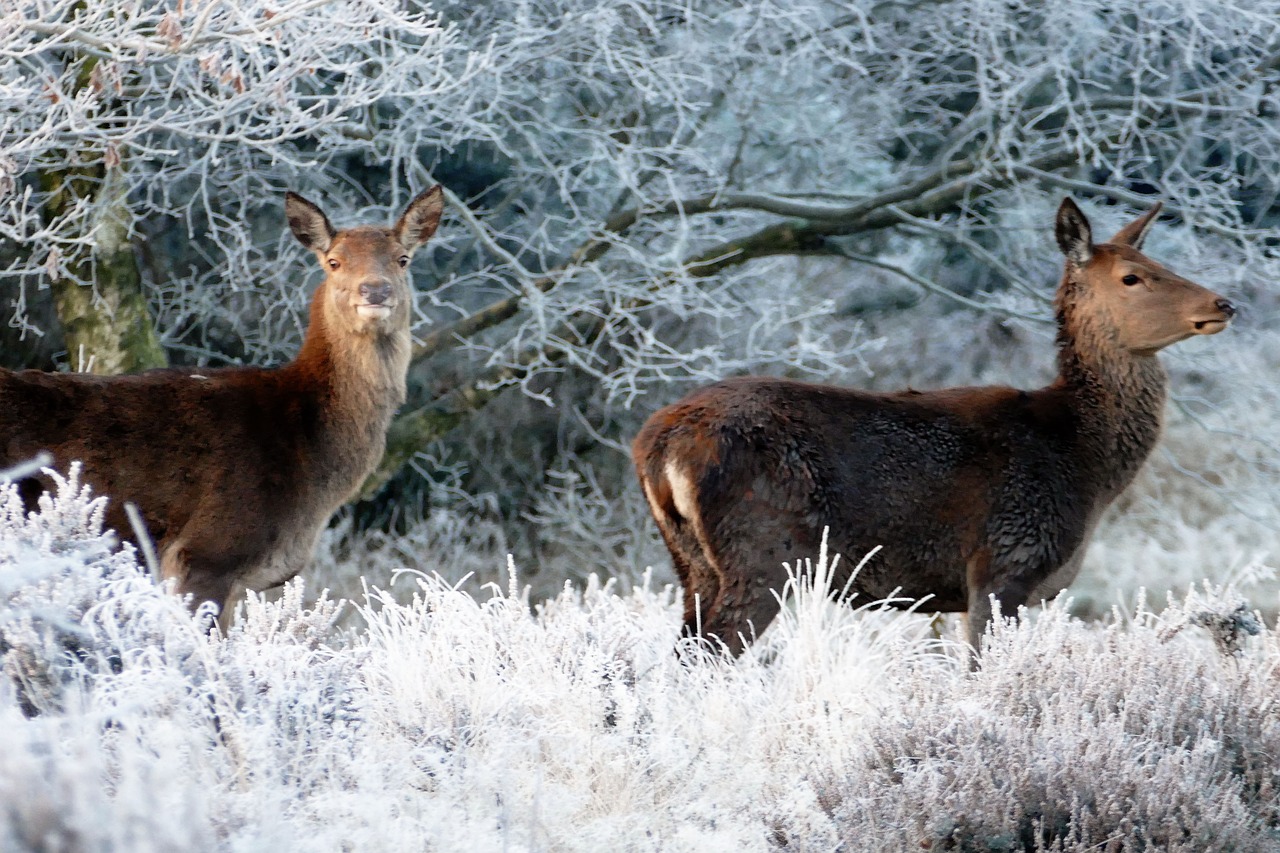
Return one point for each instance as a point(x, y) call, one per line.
point(235, 471)
point(970, 492)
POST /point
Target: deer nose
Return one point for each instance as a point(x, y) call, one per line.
point(375, 294)
point(1226, 308)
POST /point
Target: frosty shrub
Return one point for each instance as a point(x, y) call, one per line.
point(443, 721)
point(1114, 738)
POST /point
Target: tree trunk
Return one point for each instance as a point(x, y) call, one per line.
point(101, 306)
point(106, 324)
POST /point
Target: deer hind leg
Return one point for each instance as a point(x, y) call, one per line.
point(747, 602)
point(753, 560)
point(677, 522)
point(735, 558)
point(698, 578)
point(729, 550)
point(701, 586)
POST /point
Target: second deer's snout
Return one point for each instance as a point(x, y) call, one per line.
point(1214, 324)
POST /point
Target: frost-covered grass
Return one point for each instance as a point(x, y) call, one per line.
point(447, 721)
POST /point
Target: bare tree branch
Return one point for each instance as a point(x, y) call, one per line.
point(647, 178)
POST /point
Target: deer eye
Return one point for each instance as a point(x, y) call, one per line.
point(404, 260)
point(334, 263)
point(1131, 280)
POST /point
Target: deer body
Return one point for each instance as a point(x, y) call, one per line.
point(235, 471)
point(969, 492)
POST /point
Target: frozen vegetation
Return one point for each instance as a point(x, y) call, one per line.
point(627, 182)
point(450, 721)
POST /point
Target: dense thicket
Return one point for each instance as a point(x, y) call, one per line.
point(645, 195)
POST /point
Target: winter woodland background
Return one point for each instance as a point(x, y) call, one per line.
point(644, 196)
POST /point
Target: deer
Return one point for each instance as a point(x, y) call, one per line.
point(235, 471)
point(972, 494)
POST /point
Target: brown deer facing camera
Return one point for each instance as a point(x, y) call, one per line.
point(971, 492)
point(235, 471)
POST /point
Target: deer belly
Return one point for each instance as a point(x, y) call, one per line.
point(918, 573)
point(288, 555)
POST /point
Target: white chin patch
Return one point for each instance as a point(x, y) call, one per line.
point(374, 312)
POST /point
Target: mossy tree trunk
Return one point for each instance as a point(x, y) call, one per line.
point(101, 306)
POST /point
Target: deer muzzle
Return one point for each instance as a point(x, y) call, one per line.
point(375, 300)
point(1213, 325)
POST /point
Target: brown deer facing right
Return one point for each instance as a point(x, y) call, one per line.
point(971, 492)
point(236, 470)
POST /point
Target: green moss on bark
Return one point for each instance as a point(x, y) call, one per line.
point(107, 326)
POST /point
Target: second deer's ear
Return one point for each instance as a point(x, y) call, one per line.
point(1075, 237)
point(308, 223)
point(1136, 231)
point(420, 219)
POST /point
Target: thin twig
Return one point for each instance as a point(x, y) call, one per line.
point(934, 287)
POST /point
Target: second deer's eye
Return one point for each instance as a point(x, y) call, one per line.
point(334, 263)
point(1131, 280)
point(404, 260)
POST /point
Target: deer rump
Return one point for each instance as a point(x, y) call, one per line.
point(216, 444)
point(746, 473)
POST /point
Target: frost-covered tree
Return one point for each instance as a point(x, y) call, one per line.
point(645, 195)
point(175, 122)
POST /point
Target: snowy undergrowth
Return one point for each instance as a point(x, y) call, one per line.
point(449, 721)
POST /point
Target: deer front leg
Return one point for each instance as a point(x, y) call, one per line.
point(978, 616)
point(203, 577)
point(1012, 588)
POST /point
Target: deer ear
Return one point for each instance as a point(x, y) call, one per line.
point(420, 219)
point(1136, 231)
point(308, 223)
point(1075, 237)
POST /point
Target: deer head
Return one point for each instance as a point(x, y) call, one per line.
point(1144, 306)
point(366, 287)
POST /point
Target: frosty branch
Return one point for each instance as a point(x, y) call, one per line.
point(643, 191)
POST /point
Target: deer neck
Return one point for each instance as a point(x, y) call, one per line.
point(1118, 395)
point(359, 379)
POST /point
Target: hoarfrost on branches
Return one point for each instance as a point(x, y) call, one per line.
point(650, 196)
